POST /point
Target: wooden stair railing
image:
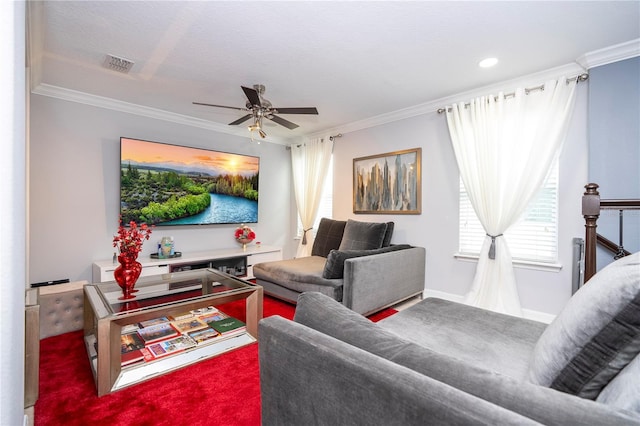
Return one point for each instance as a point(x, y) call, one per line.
point(591, 206)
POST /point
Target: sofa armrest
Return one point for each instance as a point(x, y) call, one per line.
point(374, 282)
point(307, 377)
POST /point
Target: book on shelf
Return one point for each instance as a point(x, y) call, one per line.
point(153, 321)
point(182, 316)
point(171, 346)
point(228, 326)
point(213, 317)
point(132, 357)
point(130, 342)
point(129, 328)
point(204, 335)
point(157, 332)
point(209, 310)
point(189, 324)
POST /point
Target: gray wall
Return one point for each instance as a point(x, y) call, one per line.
point(614, 146)
point(74, 186)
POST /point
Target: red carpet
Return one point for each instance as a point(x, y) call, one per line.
point(220, 391)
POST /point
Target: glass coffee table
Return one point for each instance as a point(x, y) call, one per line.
point(167, 295)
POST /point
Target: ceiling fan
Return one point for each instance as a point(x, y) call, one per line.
point(260, 108)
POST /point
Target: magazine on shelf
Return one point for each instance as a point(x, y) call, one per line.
point(152, 322)
point(228, 326)
point(189, 324)
point(157, 332)
point(130, 342)
point(171, 346)
point(204, 335)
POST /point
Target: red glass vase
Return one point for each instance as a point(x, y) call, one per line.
point(126, 275)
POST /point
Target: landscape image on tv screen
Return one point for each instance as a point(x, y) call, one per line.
point(162, 184)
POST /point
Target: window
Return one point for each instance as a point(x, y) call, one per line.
point(534, 238)
point(326, 203)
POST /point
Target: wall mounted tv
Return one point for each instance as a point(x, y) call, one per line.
point(164, 184)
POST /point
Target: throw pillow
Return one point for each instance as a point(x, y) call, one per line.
point(386, 242)
point(334, 267)
point(624, 390)
point(362, 235)
point(595, 336)
point(328, 237)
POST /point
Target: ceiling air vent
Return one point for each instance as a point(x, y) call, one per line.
point(118, 64)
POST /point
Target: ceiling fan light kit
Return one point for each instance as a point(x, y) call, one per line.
point(260, 108)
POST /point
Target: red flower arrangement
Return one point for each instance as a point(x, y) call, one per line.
point(244, 234)
point(129, 241)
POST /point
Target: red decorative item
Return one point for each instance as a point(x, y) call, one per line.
point(129, 243)
point(244, 235)
point(126, 275)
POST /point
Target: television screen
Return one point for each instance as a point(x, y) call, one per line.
point(164, 184)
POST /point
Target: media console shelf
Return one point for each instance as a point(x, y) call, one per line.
point(234, 261)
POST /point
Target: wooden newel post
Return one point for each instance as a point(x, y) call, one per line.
point(591, 212)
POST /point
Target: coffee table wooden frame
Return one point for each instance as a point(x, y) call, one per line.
point(105, 326)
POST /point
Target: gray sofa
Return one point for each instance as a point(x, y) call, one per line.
point(444, 363)
point(352, 262)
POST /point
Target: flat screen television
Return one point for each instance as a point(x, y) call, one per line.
point(163, 184)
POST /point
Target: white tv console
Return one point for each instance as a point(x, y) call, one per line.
point(234, 261)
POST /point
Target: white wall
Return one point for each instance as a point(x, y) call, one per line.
point(74, 186)
point(436, 228)
point(12, 212)
point(74, 193)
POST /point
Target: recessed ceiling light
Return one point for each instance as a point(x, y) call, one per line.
point(487, 63)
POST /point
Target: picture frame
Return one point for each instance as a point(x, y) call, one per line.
point(389, 183)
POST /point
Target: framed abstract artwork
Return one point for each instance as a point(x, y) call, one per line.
point(388, 183)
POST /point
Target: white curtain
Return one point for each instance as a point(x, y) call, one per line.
point(310, 162)
point(505, 146)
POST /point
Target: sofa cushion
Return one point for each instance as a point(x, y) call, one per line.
point(334, 267)
point(624, 390)
point(298, 275)
point(595, 336)
point(362, 235)
point(495, 341)
point(328, 237)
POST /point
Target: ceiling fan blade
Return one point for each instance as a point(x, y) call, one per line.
point(252, 95)
point(220, 106)
point(286, 123)
point(310, 110)
point(241, 120)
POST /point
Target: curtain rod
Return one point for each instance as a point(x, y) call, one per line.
point(527, 90)
point(331, 138)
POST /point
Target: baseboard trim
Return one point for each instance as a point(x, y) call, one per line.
point(527, 313)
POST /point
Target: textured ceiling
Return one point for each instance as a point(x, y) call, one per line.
point(352, 60)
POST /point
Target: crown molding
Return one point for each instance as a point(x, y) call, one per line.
point(535, 79)
point(619, 52)
point(129, 108)
point(589, 60)
point(600, 57)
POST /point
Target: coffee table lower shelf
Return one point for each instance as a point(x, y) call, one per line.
point(143, 371)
